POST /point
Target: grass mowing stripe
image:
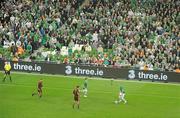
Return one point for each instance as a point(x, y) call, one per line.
point(99, 92)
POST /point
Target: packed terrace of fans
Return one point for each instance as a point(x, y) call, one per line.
point(142, 34)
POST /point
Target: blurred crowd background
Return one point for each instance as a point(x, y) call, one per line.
point(141, 34)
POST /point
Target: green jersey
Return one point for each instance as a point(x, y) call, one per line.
point(85, 84)
point(122, 89)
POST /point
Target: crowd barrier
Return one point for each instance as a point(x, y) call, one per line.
point(105, 72)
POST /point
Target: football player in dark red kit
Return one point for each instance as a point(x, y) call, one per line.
point(39, 88)
point(76, 94)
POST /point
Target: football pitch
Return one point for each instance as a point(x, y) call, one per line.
point(145, 99)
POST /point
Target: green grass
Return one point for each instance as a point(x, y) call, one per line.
point(145, 100)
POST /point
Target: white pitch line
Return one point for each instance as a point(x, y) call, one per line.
point(98, 78)
point(93, 91)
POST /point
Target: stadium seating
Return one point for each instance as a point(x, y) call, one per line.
point(142, 34)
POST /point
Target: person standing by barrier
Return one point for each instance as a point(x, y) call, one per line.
point(7, 69)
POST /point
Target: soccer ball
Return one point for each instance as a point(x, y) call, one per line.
point(116, 102)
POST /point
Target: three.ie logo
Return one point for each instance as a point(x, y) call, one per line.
point(68, 70)
point(83, 71)
point(132, 74)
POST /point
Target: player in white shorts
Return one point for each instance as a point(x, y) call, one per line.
point(121, 96)
point(85, 90)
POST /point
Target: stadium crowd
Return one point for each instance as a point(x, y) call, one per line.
point(143, 34)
